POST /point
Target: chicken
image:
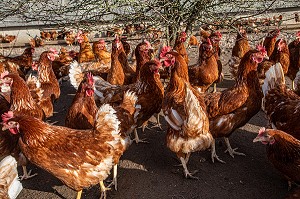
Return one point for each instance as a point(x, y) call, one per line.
point(62, 63)
point(193, 41)
point(47, 36)
point(270, 40)
point(283, 151)
point(294, 49)
point(205, 72)
point(70, 38)
point(82, 112)
point(86, 52)
point(280, 54)
point(143, 53)
point(179, 46)
point(185, 112)
point(48, 82)
point(101, 53)
point(215, 38)
point(43, 34)
point(148, 89)
point(235, 106)
point(23, 61)
point(8, 142)
point(54, 34)
point(240, 48)
point(281, 105)
point(87, 60)
point(79, 158)
point(204, 34)
point(8, 38)
point(116, 75)
point(21, 102)
point(36, 42)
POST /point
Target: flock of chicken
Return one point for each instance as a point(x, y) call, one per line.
point(115, 97)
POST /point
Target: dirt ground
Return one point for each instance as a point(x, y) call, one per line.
point(149, 170)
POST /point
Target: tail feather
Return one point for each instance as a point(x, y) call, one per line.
point(129, 101)
point(76, 74)
point(274, 77)
point(107, 120)
point(10, 187)
point(196, 116)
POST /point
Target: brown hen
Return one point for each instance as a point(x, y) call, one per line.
point(235, 106)
point(205, 72)
point(185, 111)
point(281, 105)
point(283, 151)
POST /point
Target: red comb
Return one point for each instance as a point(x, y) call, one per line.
point(54, 51)
point(102, 41)
point(261, 48)
point(6, 116)
point(298, 34)
point(183, 33)
point(164, 51)
point(261, 131)
point(4, 74)
point(90, 78)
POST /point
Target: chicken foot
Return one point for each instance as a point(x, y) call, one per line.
point(103, 190)
point(114, 181)
point(231, 151)
point(186, 171)
point(137, 139)
point(26, 175)
point(214, 154)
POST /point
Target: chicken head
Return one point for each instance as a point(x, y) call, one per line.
point(264, 137)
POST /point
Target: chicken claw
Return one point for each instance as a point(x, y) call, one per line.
point(103, 190)
point(231, 151)
point(188, 174)
point(137, 139)
point(114, 181)
point(26, 175)
point(214, 154)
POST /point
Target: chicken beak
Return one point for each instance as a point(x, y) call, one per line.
point(257, 139)
point(266, 57)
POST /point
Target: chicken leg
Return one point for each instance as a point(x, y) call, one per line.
point(231, 151)
point(26, 175)
point(137, 139)
point(79, 194)
point(214, 154)
point(186, 171)
point(103, 190)
point(115, 173)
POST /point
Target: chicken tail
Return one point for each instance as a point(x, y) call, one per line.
point(10, 186)
point(76, 74)
point(197, 120)
point(129, 102)
point(274, 77)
